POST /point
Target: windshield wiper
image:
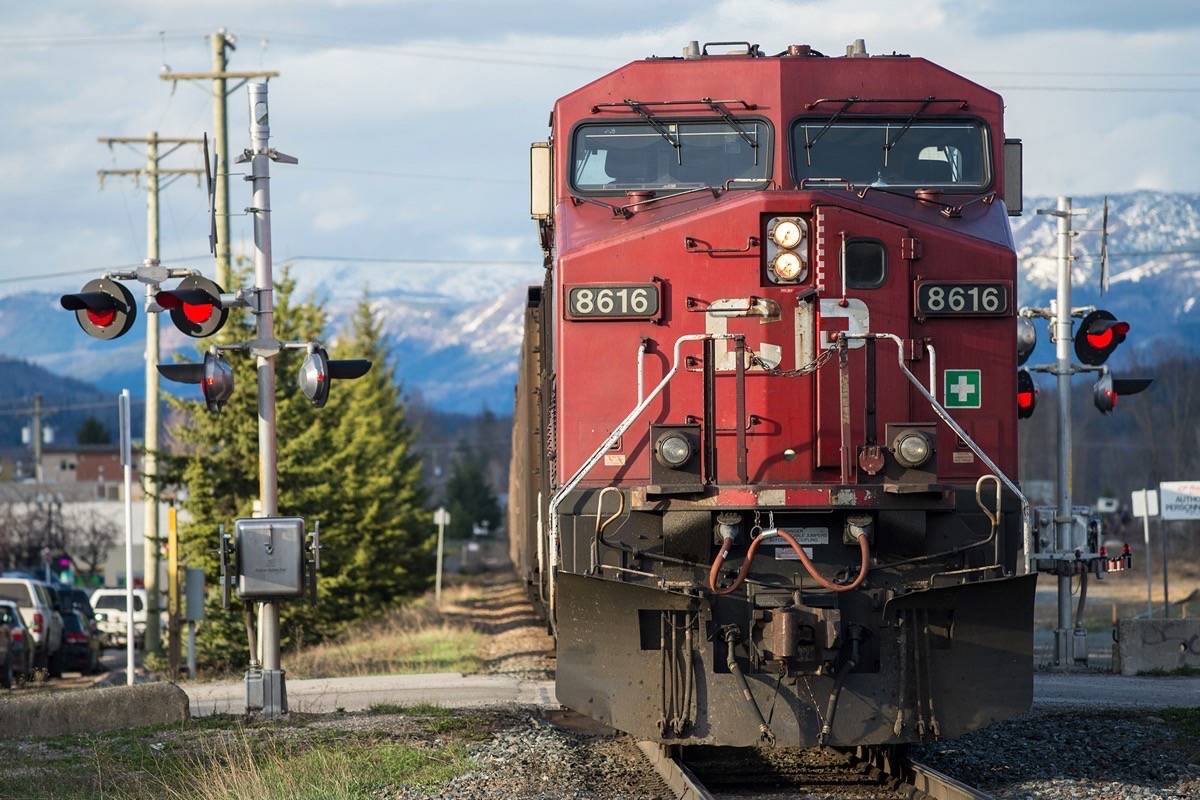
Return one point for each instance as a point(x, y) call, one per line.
point(655, 123)
point(808, 145)
point(733, 123)
point(888, 145)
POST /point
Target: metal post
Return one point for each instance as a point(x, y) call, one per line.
point(191, 650)
point(127, 463)
point(1146, 532)
point(1162, 534)
point(150, 555)
point(37, 439)
point(1063, 518)
point(273, 691)
point(220, 40)
point(437, 583)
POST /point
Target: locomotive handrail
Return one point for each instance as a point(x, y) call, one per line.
point(643, 403)
point(944, 415)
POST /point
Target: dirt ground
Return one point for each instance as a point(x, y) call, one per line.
point(514, 640)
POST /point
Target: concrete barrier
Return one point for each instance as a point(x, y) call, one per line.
point(92, 710)
point(1152, 645)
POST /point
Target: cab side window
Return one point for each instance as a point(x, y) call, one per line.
point(866, 264)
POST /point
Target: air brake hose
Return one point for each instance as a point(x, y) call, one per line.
point(864, 567)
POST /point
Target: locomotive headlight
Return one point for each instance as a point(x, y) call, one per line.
point(787, 233)
point(912, 449)
point(787, 266)
point(673, 450)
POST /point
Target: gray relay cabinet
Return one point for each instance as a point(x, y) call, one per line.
point(272, 557)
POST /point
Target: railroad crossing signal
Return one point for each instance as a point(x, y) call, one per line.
point(1098, 336)
point(195, 306)
point(963, 388)
point(318, 371)
point(1107, 389)
point(214, 375)
point(1026, 339)
point(1027, 393)
point(103, 308)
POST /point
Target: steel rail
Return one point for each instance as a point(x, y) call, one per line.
point(940, 786)
point(679, 779)
point(928, 783)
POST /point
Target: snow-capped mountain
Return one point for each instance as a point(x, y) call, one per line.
point(456, 334)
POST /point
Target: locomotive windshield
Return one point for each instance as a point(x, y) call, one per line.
point(666, 155)
point(902, 153)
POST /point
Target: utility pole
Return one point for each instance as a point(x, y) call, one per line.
point(222, 42)
point(152, 172)
point(37, 438)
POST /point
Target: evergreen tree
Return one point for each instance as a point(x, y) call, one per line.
point(348, 466)
point(92, 431)
point(391, 552)
point(469, 497)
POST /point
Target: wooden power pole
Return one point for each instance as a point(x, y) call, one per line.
point(152, 172)
point(222, 42)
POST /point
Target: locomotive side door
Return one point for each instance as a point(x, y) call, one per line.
point(862, 278)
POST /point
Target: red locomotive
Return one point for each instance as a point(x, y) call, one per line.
point(767, 402)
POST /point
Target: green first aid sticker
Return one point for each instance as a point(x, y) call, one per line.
point(963, 389)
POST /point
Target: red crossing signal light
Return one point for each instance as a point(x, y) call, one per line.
point(1027, 393)
point(1098, 336)
point(318, 371)
point(1107, 389)
point(103, 308)
point(195, 306)
point(214, 375)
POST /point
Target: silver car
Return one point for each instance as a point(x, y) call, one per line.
point(44, 621)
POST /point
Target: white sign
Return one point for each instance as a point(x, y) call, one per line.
point(1180, 499)
point(809, 535)
point(1143, 499)
point(441, 517)
point(1106, 505)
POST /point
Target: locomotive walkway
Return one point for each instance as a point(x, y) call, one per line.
point(454, 690)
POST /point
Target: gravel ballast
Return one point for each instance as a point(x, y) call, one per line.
point(1078, 755)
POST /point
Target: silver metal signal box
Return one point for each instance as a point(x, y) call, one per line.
point(273, 558)
point(270, 557)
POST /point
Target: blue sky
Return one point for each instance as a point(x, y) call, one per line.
point(411, 119)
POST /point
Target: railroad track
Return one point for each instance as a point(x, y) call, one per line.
point(721, 773)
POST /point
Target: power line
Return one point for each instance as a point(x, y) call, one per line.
point(1105, 89)
point(386, 260)
point(419, 176)
point(92, 270)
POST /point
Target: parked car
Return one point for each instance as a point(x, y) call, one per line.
point(16, 645)
point(81, 645)
point(42, 616)
point(81, 601)
point(109, 605)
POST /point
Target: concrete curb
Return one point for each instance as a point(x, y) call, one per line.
point(92, 710)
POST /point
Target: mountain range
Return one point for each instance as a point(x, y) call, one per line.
point(455, 333)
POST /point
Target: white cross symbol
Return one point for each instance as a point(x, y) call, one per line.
point(963, 389)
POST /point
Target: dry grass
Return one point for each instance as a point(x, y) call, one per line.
point(416, 637)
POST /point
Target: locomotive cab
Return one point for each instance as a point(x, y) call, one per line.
point(766, 414)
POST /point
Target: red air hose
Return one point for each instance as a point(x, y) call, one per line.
point(864, 548)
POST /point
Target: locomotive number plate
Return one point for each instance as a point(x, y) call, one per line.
point(966, 299)
point(613, 301)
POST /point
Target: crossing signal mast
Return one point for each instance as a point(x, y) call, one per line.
point(276, 558)
point(1068, 537)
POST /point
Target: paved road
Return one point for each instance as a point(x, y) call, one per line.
point(1051, 690)
point(357, 694)
point(465, 691)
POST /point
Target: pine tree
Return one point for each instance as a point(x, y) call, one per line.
point(469, 497)
point(92, 431)
point(349, 466)
point(382, 502)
